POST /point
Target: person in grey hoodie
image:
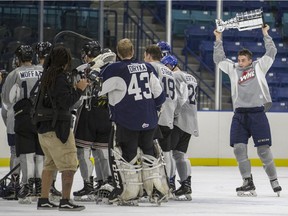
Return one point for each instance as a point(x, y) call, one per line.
point(251, 99)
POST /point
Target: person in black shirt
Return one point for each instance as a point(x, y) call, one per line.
point(55, 133)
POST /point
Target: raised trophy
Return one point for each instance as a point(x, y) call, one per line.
point(242, 21)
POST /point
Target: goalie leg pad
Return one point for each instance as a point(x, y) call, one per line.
point(154, 176)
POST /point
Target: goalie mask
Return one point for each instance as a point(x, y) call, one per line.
point(165, 48)
point(23, 53)
point(42, 49)
point(91, 49)
point(169, 60)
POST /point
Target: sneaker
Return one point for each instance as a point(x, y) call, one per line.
point(248, 188)
point(45, 204)
point(67, 205)
point(275, 186)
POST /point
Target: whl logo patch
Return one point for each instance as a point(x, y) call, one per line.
point(246, 75)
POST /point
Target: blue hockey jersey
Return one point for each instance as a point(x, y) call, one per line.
point(134, 94)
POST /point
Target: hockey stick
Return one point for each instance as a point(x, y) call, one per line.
point(9, 173)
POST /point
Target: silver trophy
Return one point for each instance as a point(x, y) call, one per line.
point(242, 21)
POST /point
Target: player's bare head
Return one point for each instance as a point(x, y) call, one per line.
point(125, 49)
point(244, 58)
point(154, 52)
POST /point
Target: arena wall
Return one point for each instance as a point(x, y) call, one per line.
point(211, 148)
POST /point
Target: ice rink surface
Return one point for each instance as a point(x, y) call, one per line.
point(213, 194)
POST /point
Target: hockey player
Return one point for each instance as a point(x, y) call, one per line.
point(42, 50)
point(18, 91)
point(185, 125)
point(13, 187)
point(153, 55)
point(93, 126)
point(134, 95)
point(165, 48)
point(251, 99)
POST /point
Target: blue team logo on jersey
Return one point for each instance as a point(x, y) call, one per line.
point(145, 125)
point(247, 75)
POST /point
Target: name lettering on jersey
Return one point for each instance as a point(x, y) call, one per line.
point(247, 75)
point(137, 68)
point(189, 78)
point(166, 71)
point(30, 74)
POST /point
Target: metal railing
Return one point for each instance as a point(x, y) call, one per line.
point(142, 35)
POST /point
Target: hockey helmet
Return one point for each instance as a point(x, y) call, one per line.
point(165, 47)
point(92, 49)
point(24, 53)
point(169, 60)
point(42, 49)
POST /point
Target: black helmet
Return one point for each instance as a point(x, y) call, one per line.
point(42, 49)
point(91, 49)
point(24, 53)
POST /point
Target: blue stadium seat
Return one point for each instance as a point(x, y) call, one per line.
point(239, 5)
point(269, 19)
point(282, 50)
point(202, 17)
point(279, 107)
point(194, 35)
point(232, 48)
point(281, 93)
point(257, 48)
point(283, 79)
point(181, 19)
point(280, 65)
point(206, 52)
point(272, 79)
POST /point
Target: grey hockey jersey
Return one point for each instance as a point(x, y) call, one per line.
point(21, 83)
point(168, 84)
point(186, 116)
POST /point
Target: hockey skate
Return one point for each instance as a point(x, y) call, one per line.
point(86, 193)
point(54, 194)
point(26, 192)
point(185, 191)
point(37, 189)
point(247, 189)
point(276, 187)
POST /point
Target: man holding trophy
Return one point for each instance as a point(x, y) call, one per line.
point(251, 99)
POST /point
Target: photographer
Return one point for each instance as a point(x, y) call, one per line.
point(92, 127)
point(54, 131)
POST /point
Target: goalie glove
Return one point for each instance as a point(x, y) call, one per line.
point(103, 59)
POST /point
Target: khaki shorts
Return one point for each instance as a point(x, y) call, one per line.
point(58, 156)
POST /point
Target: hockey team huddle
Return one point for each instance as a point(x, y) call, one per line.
point(134, 117)
point(144, 113)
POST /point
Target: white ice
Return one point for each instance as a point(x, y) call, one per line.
point(213, 194)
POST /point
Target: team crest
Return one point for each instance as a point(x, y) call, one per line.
point(247, 75)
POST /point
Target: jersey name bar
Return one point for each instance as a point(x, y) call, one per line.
point(137, 68)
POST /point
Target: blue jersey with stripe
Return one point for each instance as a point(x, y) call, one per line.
point(134, 94)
